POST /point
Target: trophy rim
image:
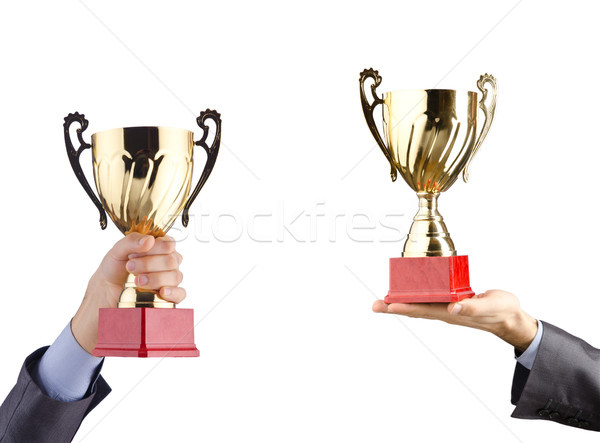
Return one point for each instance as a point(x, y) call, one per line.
point(431, 89)
point(168, 128)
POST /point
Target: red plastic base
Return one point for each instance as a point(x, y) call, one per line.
point(146, 332)
point(429, 279)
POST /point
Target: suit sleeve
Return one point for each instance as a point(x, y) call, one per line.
point(28, 415)
point(564, 382)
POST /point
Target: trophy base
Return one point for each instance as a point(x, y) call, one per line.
point(145, 332)
point(429, 279)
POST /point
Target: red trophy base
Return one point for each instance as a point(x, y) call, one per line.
point(429, 279)
point(146, 332)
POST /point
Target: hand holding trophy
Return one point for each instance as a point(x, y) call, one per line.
point(143, 178)
point(430, 138)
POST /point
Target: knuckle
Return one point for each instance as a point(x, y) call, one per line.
point(172, 262)
point(132, 236)
point(154, 281)
point(170, 246)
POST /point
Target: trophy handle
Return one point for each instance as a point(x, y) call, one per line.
point(74, 159)
point(488, 111)
point(211, 153)
point(368, 111)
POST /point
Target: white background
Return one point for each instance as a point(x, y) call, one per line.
point(290, 350)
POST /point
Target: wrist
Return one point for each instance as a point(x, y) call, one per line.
point(84, 327)
point(519, 330)
point(84, 324)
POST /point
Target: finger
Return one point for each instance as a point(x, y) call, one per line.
point(156, 280)
point(420, 310)
point(477, 306)
point(173, 294)
point(134, 243)
point(380, 306)
point(454, 308)
point(154, 263)
point(162, 246)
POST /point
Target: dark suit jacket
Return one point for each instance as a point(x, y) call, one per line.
point(28, 415)
point(564, 383)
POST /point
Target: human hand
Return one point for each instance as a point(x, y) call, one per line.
point(495, 311)
point(154, 262)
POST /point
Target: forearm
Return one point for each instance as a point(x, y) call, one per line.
point(66, 372)
point(85, 322)
point(28, 415)
point(518, 329)
point(563, 384)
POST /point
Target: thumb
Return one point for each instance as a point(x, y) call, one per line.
point(130, 244)
point(469, 307)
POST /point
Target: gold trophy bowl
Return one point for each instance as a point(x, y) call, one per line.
point(143, 177)
point(429, 137)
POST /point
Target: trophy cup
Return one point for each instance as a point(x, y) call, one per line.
point(430, 138)
point(143, 178)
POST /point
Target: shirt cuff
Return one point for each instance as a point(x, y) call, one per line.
point(528, 357)
point(67, 372)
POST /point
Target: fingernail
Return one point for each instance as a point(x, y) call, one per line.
point(143, 240)
point(130, 266)
point(167, 292)
point(456, 309)
point(141, 279)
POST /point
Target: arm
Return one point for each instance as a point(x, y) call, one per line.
point(28, 415)
point(60, 385)
point(66, 371)
point(494, 311)
point(557, 376)
point(564, 382)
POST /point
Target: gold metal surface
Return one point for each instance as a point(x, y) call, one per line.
point(429, 137)
point(143, 178)
point(133, 297)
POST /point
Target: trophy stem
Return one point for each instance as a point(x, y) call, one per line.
point(428, 236)
point(133, 297)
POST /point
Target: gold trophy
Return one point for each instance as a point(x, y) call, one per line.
point(143, 177)
point(429, 137)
